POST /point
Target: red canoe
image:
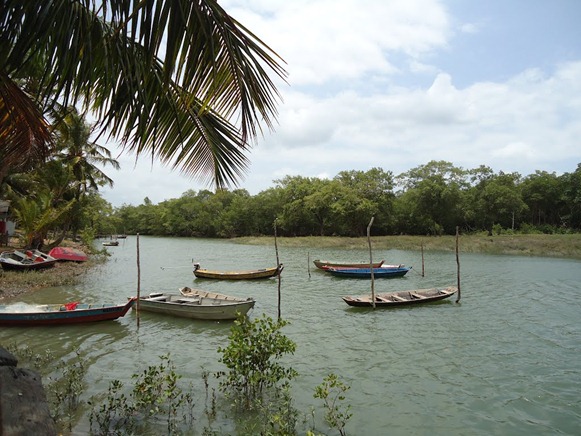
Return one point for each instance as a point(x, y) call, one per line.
point(68, 254)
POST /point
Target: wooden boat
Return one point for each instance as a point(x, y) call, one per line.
point(264, 273)
point(25, 261)
point(69, 254)
point(21, 314)
point(324, 264)
point(401, 298)
point(365, 273)
point(197, 304)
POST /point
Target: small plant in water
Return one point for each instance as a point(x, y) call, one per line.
point(155, 394)
point(26, 356)
point(332, 391)
point(64, 391)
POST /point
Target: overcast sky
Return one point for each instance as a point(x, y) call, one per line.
point(398, 83)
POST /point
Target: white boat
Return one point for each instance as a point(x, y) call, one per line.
point(197, 304)
point(25, 261)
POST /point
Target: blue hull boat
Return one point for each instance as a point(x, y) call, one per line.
point(365, 273)
point(24, 315)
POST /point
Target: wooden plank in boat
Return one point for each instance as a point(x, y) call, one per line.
point(398, 298)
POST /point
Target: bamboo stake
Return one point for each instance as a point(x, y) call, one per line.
point(277, 265)
point(138, 281)
point(457, 265)
point(309, 263)
point(423, 267)
point(371, 262)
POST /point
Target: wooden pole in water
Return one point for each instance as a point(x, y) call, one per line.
point(458, 264)
point(277, 265)
point(138, 281)
point(423, 267)
point(309, 263)
point(371, 262)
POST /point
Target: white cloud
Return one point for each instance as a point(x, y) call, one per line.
point(358, 98)
point(469, 28)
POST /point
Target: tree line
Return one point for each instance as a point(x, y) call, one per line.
point(431, 199)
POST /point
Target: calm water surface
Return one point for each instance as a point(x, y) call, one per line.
point(505, 360)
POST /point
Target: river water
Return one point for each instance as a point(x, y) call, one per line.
point(504, 360)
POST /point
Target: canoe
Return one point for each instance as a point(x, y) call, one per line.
point(365, 273)
point(323, 264)
point(402, 298)
point(197, 304)
point(28, 260)
point(21, 314)
point(68, 254)
point(264, 273)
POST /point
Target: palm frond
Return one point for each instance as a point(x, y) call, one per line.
point(178, 80)
point(24, 134)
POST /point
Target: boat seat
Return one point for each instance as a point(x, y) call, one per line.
point(186, 300)
point(398, 298)
point(157, 298)
point(413, 294)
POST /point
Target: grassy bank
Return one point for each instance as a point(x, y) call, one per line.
point(13, 283)
point(566, 246)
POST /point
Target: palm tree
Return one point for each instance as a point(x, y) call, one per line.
point(78, 152)
point(36, 216)
point(178, 80)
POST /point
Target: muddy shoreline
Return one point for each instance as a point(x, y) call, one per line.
point(15, 283)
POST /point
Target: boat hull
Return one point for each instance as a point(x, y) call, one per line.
point(324, 264)
point(365, 273)
point(264, 273)
point(59, 315)
point(402, 298)
point(68, 254)
point(212, 307)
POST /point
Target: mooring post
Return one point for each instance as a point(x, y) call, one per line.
point(458, 263)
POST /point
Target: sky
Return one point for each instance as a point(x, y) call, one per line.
point(395, 84)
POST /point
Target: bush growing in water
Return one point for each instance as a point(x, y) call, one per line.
point(251, 357)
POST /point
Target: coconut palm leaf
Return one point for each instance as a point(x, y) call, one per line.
point(178, 80)
point(24, 134)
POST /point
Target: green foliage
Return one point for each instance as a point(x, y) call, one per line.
point(252, 355)
point(66, 389)
point(65, 381)
point(115, 415)
point(28, 357)
point(275, 417)
point(332, 392)
point(432, 199)
point(36, 216)
point(155, 394)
